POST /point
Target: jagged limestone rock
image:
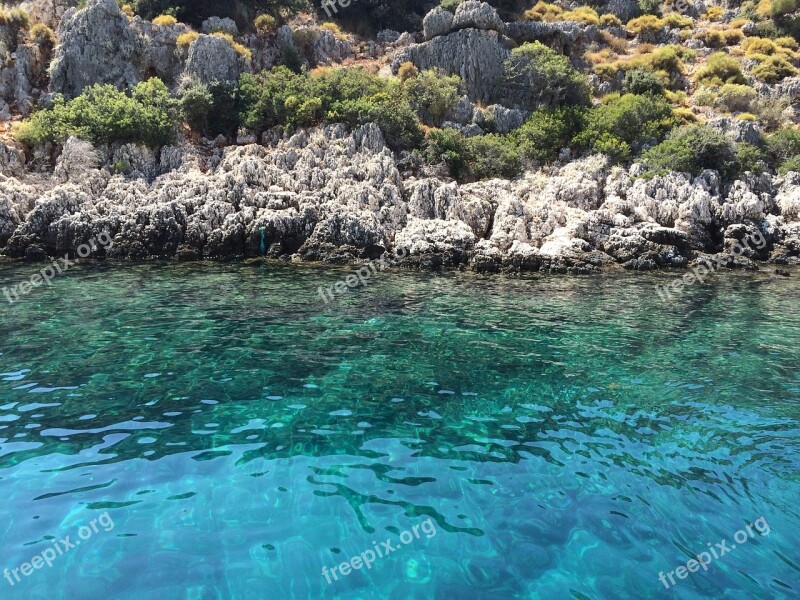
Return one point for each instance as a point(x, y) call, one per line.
point(478, 15)
point(96, 45)
point(475, 55)
point(437, 22)
point(212, 59)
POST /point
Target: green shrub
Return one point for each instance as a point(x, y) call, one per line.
point(793, 164)
point(691, 149)
point(720, 68)
point(211, 109)
point(474, 158)
point(292, 59)
point(749, 158)
point(493, 156)
point(630, 119)
point(650, 7)
point(734, 97)
point(613, 147)
point(41, 35)
point(450, 147)
point(784, 144)
point(774, 69)
point(642, 81)
point(354, 96)
point(783, 7)
point(266, 24)
point(537, 76)
point(389, 111)
point(432, 94)
point(547, 131)
point(103, 114)
point(450, 5)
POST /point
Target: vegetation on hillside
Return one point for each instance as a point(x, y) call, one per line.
point(641, 91)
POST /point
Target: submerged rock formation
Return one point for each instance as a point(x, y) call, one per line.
point(331, 194)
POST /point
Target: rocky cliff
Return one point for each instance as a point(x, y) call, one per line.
point(332, 194)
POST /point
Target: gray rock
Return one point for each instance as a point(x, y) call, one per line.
point(96, 45)
point(77, 157)
point(48, 12)
point(212, 59)
point(12, 160)
point(387, 36)
point(624, 9)
point(500, 119)
point(327, 48)
point(479, 15)
point(437, 22)
point(405, 40)
point(738, 130)
point(225, 25)
point(476, 56)
point(463, 111)
point(564, 36)
point(790, 88)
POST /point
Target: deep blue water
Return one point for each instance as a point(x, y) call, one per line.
point(549, 437)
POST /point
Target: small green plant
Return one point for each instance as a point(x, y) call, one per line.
point(121, 167)
point(720, 68)
point(650, 7)
point(793, 164)
point(266, 24)
point(450, 5)
point(610, 20)
point(734, 97)
point(774, 69)
point(432, 94)
point(642, 81)
point(186, 39)
point(165, 21)
point(547, 131)
point(407, 70)
point(15, 17)
point(41, 35)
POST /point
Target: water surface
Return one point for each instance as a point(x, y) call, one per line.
point(568, 437)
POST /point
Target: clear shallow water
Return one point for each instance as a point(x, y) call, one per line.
point(568, 437)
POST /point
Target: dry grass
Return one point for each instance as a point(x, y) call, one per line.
point(186, 39)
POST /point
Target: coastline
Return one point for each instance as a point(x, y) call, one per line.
point(331, 194)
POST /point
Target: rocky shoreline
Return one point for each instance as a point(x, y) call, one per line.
point(330, 194)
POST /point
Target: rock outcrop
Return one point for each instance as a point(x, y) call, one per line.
point(96, 45)
point(212, 59)
point(475, 55)
point(331, 194)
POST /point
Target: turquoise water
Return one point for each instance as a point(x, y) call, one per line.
point(562, 437)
